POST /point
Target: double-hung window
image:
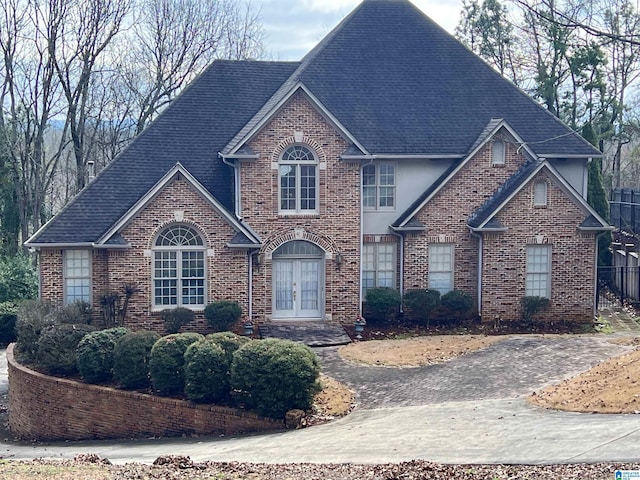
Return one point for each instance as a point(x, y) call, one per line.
point(441, 267)
point(179, 268)
point(538, 276)
point(77, 276)
point(540, 193)
point(298, 180)
point(379, 186)
point(378, 266)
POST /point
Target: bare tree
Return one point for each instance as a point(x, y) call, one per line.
point(174, 40)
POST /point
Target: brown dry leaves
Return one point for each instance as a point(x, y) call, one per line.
point(415, 352)
point(613, 386)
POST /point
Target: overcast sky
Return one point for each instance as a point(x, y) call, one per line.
point(293, 27)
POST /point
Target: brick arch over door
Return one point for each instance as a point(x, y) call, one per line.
point(322, 241)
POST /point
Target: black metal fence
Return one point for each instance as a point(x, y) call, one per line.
point(618, 285)
point(625, 210)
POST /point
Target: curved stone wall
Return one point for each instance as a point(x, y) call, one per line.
point(42, 407)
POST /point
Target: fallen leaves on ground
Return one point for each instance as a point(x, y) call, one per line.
point(174, 468)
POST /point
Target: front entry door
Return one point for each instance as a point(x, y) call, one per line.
point(297, 285)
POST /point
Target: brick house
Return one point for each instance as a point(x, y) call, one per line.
point(390, 155)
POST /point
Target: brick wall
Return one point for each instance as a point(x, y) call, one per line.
point(49, 408)
point(446, 214)
point(336, 227)
point(572, 256)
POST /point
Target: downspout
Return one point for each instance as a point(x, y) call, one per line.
point(480, 247)
point(401, 280)
point(236, 186)
point(250, 255)
point(585, 180)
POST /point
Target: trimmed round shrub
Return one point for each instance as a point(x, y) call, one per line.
point(229, 342)
point(131, 358)
point(57, 348)
point(421, 303)
point(273, 376)
point(175, 318)
point(33, 317)
point(206, 372)
point(223, 314)
point(95, 354)
point(457, 302)
point(166, 363)
point(381, 302)
point(8, 317)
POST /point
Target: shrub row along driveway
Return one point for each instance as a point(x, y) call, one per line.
point(460, 412)
point(513, 367)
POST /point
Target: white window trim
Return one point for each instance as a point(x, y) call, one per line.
point(179, 249)
point(65, 277)
point(451, 272)
point(377, 186)
point(549, 250)
point(297, 164)
point(376, 269)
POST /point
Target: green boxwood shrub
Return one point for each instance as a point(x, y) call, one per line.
point(274, 376)
point(380, 303)
point(223, 314)
point(166, 363)
point(131, 358)
point(175, 318)
point(8, 317)
point(229, 342)
point(457, 303)
point(57, 348)
point(95, 354)
point(421, 303)
point(206, 372)
point(33, 317)
point(531, 306)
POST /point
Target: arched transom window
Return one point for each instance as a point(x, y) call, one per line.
point(298, 180)
point(179, 268)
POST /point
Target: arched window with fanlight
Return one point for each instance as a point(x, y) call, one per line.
point(179, 270)
point(298, 180)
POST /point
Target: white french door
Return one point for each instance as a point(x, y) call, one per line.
point(297, 287)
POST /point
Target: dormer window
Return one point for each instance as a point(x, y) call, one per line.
point(298, 180)
point(540, 193)
point(498, 153)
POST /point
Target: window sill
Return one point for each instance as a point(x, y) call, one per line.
point(158, 309)
point(298, 215)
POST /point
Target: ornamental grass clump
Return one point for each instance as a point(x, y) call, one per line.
point(95, 354)
point(166, 363)
point(131, 358)
point(274, 376)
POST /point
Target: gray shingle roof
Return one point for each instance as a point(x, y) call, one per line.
point(192, 130)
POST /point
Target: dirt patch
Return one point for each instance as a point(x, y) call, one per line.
point(613, 386)
point(335, 400)
point(414, 352)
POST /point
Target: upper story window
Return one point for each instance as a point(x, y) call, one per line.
point(179, 268)
point(77, 276)
point(298, 180)
point(498, 152)
point(379, 186)
point(540, 193)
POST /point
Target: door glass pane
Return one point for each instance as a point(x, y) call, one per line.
point(283, 280)
point(309, 285)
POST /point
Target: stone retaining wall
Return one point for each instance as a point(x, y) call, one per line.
point(42, 407)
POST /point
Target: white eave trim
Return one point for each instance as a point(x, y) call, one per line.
point(488, 137)
point(77, 245)
point(395, 156)
point(597, 229)
point(269, 115)
point(489, 230)
point(244, 246)
point(564, 185)
point(151, 194)
point(548, 156)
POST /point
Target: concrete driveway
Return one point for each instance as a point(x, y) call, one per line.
point(470, 410)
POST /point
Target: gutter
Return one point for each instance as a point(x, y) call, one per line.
point(401, 267)
point(479, 279)
point(36, 246)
